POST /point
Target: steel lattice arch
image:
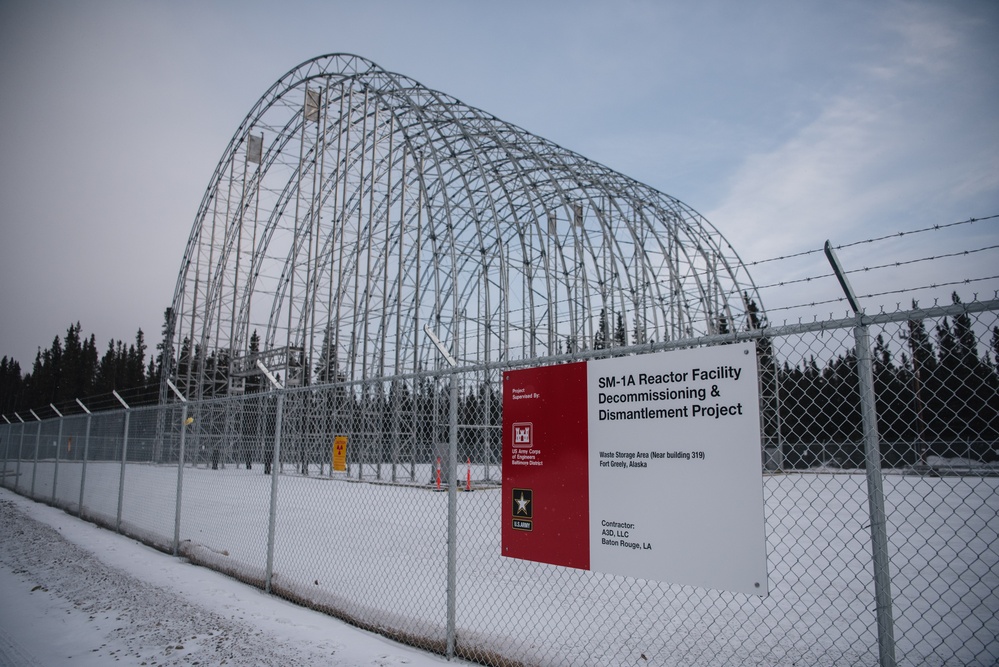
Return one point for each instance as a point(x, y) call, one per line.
point(353, 207)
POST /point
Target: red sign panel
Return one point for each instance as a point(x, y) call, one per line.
point(545, 470)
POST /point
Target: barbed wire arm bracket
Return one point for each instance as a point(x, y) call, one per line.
point(176, 391)
point(452, 362)
point(841, 277)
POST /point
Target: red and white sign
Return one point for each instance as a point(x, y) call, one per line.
point(645, 466)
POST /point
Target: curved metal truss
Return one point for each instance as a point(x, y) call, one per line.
point(354, 206)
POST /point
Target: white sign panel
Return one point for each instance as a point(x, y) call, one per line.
point(674, 467)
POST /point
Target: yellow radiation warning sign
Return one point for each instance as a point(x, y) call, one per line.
point(340, 453)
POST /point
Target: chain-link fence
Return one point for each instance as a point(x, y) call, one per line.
point(881, 544)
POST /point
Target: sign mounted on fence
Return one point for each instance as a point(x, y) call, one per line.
point(340, 453)
point(643, 466)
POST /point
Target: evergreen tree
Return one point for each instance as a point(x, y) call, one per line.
point(105, 380)
point(136, 363)
point(600, 340)
point(969, 382)
point(186, 371)
point(944, 381)
point(163, 351)
point(326, 370)
point(11, 386)
point(882, 357)
point(946, 344)
point(620, 332)
point(769, 403)
point(43, 383)
point(893, 405)
point(90, 361)
point(754, 320)
point(639, 335)
point(255, 382)
point(813, 378)
point(967, 344)
point(220, 375)
point(55, 371)
point(842, 403)
point(74, 384)
point(995, 345)
point(923, 372)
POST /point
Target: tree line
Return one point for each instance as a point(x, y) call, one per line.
point(72, 368)
point(939, 397)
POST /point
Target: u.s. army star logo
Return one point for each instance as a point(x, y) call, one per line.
point(523, 503)
point(523, 509)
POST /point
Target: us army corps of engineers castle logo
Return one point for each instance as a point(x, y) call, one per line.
point(523, 434)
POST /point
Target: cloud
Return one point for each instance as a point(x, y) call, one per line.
point(817, 182)
point(902, 141)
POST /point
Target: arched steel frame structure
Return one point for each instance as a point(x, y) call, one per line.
point(353, 206)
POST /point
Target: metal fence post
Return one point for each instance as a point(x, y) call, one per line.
point(452, 482)
point(452, 511)
point(86, 448)
point(55, 472)
point(876, 498)
point(124, 457)
point(180, 479)
point(8, 434)
point(38, 445)
point(20, 453)
point(275, 460)
point(272, 514)
point(160, 428)
point(6, 428)
point(875, 489)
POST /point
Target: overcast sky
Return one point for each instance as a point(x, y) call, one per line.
point(783, 123)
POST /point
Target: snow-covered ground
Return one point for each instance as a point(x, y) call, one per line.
point(72, 593)
point(376, 553)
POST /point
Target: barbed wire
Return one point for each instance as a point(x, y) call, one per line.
point(141, 395)
point(919, 231)
point(966, 281)
point(894, 235)
point(890, 265)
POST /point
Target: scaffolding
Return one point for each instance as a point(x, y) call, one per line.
point(354, 206)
